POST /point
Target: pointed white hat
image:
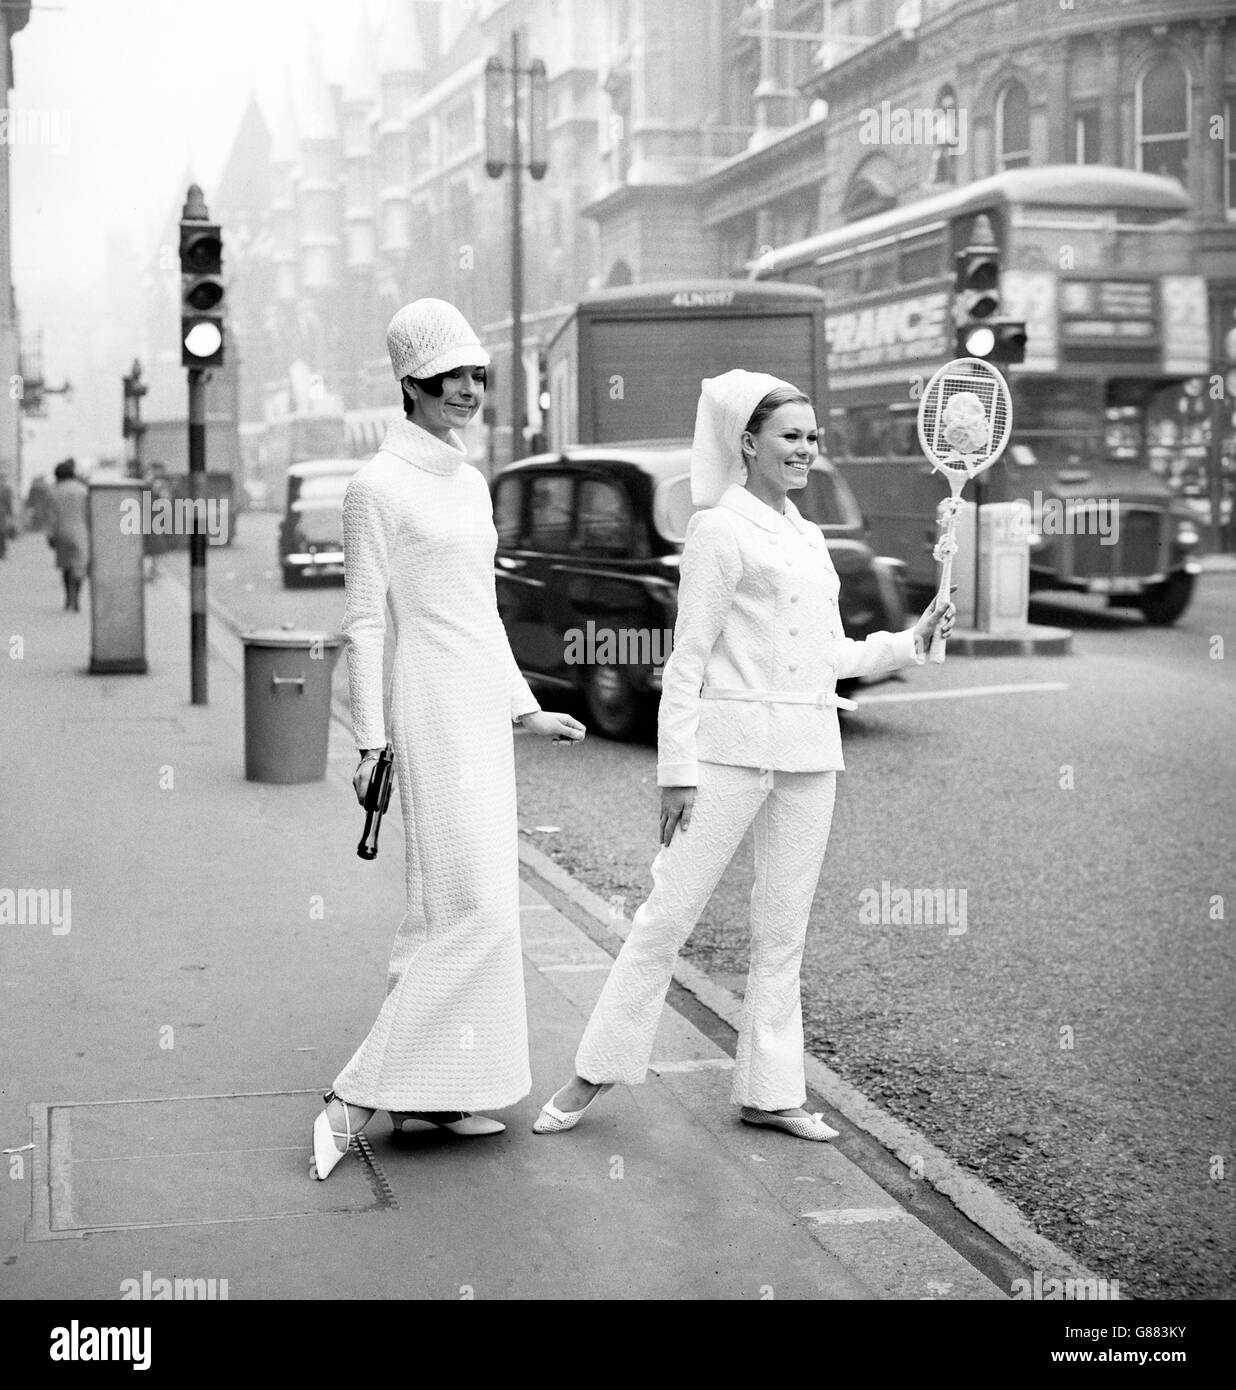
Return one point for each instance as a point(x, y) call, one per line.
point(726, 404)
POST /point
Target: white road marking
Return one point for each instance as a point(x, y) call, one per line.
point(855, 1216)
point(960, 693)
point(696, 1064)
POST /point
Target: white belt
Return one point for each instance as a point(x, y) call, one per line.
point(822, 698)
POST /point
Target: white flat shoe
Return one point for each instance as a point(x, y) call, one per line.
point(469, 1126)
point(800, 1126)
point(551, 1120)
point(326, 1153)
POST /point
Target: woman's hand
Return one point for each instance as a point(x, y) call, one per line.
point(935, 615)
point(560, 727)
point(363, 776)
point(677, 804)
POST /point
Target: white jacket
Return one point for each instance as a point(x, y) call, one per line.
point(759, 647)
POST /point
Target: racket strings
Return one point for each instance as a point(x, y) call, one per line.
point(964, 419)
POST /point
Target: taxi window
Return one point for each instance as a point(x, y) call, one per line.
point(508, 508)
point(821, 501)
point(329, 487)
point(549, 525)
point(604, 526)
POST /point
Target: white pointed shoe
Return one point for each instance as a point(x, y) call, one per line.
point(800, 1126)
point(468, 1125)
point(326, 1153)
point(551, 1120)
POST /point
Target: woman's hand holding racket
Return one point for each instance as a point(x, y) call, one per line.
point(964, 419)
point(938, 617)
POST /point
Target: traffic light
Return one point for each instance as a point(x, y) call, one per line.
point(981, 330)
point(997, 340)
point(201, 285)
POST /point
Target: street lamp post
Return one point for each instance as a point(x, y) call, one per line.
point(496, 163)
point(134, 389)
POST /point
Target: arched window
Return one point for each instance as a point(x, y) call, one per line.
point(947, 137)
point(1163, 100)
point(872, 189)
point(1012, 127)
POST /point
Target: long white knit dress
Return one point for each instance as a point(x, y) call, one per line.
point(452, 1033)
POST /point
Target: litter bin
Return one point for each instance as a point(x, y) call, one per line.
point(287, 703)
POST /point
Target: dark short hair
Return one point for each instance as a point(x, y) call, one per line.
point(64, 470)
point(776, 398)
point(432, 385)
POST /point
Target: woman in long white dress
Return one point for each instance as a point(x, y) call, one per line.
point(451, 1037)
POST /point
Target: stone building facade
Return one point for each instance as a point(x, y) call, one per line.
point(687, 138)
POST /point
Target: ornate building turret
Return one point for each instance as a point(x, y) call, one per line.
point(284, 162)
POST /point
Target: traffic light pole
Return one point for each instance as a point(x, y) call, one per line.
point(197, 537)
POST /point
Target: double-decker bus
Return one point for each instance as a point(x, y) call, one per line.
point(1096, 261)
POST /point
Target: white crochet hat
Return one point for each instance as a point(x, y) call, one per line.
point(726, 404)
point(430, 336)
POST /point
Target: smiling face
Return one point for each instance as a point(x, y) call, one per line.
point(780, 453)
point(463, 392)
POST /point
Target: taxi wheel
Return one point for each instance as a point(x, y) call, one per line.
point(1164, 603)
point(615, 707)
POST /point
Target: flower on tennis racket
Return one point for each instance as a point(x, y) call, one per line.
point(945, 546)
point(965, 422)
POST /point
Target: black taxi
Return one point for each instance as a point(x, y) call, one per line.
point(589, 544)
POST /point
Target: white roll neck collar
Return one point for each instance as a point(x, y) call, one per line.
point(407, 440)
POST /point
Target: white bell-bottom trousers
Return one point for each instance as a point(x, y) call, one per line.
point(792, 812)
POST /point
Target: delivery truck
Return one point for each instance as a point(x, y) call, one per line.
point(626, 363)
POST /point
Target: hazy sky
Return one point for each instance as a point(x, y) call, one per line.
point(125, 95)
point(132, 91)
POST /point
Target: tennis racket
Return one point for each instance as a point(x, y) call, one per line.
point(964, 419)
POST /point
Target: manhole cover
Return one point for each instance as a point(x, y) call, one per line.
point(188, 1160)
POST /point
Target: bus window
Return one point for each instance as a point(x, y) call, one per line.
point(871, 431)
point(922, 259)
point(1054, 405)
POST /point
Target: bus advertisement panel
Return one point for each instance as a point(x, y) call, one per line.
point(1110, 356)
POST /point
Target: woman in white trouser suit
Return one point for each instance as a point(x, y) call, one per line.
point(748, 732)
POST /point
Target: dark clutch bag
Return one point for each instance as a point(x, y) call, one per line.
point(377, 799)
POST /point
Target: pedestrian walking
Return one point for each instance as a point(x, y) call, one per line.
point(451, 1038)
point(747, 733)
point(7, 524)
point(69, 531)
point(38, 504)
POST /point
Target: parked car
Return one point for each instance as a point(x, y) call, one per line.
point(589, 543)
point(311, 533)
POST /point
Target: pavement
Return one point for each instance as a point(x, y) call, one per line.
point(201, 953)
